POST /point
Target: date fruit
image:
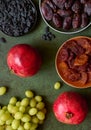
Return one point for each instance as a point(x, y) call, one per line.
point(67, 14)
point(76, 21)
point(68, 4)
point(76, 6)
point(87, 8)
point(67, 23)
point(57, 20)
point(64, 13)
point(52, 5)
point(47, 11)
point(59, 3)
point(84, 20)
point(83, 1)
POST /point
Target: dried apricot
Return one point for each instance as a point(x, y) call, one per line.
point(80, 60)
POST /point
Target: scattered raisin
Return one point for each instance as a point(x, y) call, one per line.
point(2, 39)
point(48, 35)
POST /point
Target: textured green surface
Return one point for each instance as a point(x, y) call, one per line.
point(43, 82)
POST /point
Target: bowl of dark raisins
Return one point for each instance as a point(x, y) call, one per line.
point(17, 17)
point(66, 16)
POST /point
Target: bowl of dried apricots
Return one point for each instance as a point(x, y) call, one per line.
point(73, 62)
point(66, 16)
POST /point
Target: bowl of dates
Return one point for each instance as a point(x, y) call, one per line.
point(66, 16)
point(73, 62)
point(17, 17)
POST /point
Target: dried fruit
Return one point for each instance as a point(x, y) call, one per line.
point(76, 21)
point(76, 6)
point(60, 3)
point(16, 17)
point(57, 21)
point(84, 20)
point(68, 3)
point(66, 14)
point(70, 108)
point(87, 8)
point(81, 60)
point(47, 11)
point(67, 23)
point(48, 35)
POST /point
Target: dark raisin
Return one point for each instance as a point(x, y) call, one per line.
point(44, 36)
point(2, 39)
point(48, 35)
point(47, 29)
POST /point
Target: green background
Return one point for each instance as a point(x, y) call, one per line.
point(43, 82)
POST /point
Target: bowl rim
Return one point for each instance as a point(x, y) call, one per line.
point(87, 86)
point(59, 31)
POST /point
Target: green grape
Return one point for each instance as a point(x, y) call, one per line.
point(10, 108)
point(29, 94)
point(13, 100)
point(26, 118)
point(2, 90)
point(25, 102)
point(9, 121)
point(32, 102)
point(4, 107)
point(14, 110)
point(24, 114)
point(2, 122)
point(5, 116)
point(38, 98)
point(22, 109)
point(18, 104)
point(32, 111)
point(57, 85)
point(15, 124)
point(27, 125)
point(35, 120)
point(34, 126)
point(40, 105)
point(40, 115)
point(8, 127)
point(21, 128)
point(2, 128)
point(2, 111)
point(18, 115)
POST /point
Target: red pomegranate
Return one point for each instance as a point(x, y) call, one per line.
point(70, 108)
point(24, 60)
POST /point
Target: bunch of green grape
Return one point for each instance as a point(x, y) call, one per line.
point(26, 114)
